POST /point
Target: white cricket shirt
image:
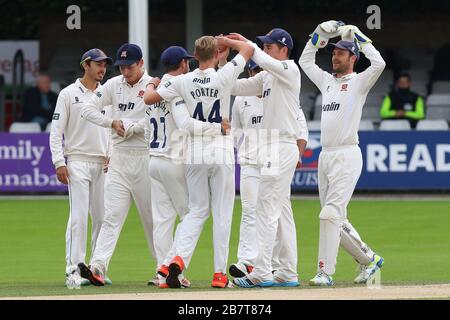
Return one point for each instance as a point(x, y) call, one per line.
point(168, 124)
point(127, 103)
point(342, 98)
point(207, 97)
point(82, 139)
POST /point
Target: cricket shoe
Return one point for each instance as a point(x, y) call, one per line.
point(239, 270)
point(73, 280)
point(220, 280)
point(184, 282)
point(94, 276)
point(85, 282)
point(154, 281)
point(367, 271)
point(108, 281)
point(176, 268)
point(246, 282)
point(162, 272)
point(279, 282)
point(321, 279)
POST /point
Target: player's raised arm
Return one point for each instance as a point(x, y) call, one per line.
point(319, 39)
point(377, 64)
point(151, 96)
point(277, 46)
point(248, 87)
point(244, 48)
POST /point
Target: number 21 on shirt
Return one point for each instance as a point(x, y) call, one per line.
point(159, 133)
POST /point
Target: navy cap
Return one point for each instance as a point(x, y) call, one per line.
point(127, 54)
point(252, 65)
point(277, 35)
point(173, 55)
point(95, 55)
point(345, 45)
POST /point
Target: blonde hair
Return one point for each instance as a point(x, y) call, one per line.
point(205, 48)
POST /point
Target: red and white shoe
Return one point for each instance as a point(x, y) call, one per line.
point(239, 270)
point(220, 280)
point(92, 274)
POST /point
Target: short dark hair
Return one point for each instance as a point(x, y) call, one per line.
point(281, 46)
point(88, 62)
point(172, 67)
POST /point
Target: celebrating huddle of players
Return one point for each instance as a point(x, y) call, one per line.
point(170, 147)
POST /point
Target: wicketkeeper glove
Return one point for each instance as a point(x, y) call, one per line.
point(324, 32)
point(352, 33)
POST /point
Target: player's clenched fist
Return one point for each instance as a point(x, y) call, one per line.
point(62, 174)
point(118, 126)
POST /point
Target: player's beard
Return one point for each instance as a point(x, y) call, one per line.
point(341, 68)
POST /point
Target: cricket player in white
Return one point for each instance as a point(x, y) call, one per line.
point(340, 162)
point(246, 120)
point(128, 175)
point(247, 113)
point(86, 148)
point(167, 126)
point(278, 155)
point(210, 168)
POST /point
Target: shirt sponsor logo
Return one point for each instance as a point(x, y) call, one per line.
point(234, 63)
point(55, 116)
point(201, 81)
point(141, 93)
point(124, 106)
point(331, 107)
point(285, 65)
point(256, 119)
point(98, 94)
point(179, 102)
point(344, 87)
point(168, 84)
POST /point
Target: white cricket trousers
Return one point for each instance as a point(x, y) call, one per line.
point(248, 245)
point(170, 198)
point(86, 185)
point(274, 218)
point(128, 177)
point(339, 171)
point(249, 185)
point(211, 188)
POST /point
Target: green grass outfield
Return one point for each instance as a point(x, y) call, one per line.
point(412, 236)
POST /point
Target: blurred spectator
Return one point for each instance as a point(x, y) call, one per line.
point(402, 103)
point(39, 102)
